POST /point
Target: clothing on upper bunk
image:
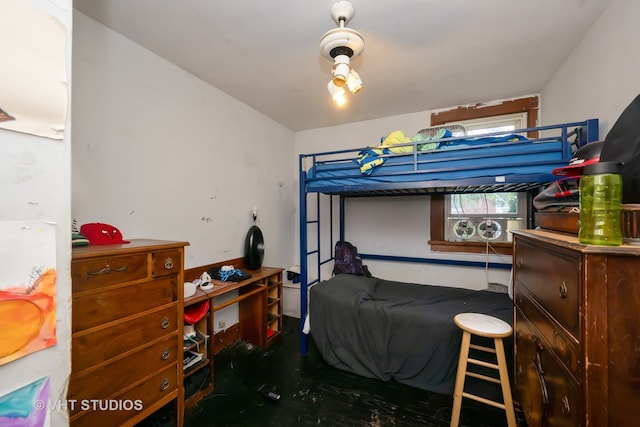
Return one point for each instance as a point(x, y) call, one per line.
point(398, 143)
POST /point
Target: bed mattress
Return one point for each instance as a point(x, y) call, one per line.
point(398, 331)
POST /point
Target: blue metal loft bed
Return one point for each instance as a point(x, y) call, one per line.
point(492, 163)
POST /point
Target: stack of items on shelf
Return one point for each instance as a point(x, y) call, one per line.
point(558, 204)
point(191, 336)
point(190, 359)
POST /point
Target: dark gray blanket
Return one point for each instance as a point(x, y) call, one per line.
point(396, 331)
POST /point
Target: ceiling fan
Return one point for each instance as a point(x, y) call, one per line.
point(342, 44)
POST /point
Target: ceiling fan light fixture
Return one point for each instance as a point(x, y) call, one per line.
point(341, 70)
point(342, 44)
point(341, 41)
point(354, 82)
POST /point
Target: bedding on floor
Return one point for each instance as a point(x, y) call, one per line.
point(397, 331)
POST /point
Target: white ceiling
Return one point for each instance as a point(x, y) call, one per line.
point(419, 54)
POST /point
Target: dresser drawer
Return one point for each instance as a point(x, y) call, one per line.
point(564, 346)
point(161, 386)
point(551, 275)
point(88, 349)
point(98, 308)
point(166, 263)
point(100, 272)
point(104, 381)
point(547, 395)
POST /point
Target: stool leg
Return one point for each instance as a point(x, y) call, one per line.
point(460, 377)
point(504, 380)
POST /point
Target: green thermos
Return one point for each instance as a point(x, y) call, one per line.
point(600, 202)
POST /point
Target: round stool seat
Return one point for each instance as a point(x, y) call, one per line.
point(483, 325)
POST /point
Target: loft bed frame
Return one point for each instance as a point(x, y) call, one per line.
point(504, 166)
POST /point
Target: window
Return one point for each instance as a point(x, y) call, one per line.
point(467, 222)
point(484, 217)
point(505, 123)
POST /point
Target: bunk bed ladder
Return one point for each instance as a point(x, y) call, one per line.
point(306, 252)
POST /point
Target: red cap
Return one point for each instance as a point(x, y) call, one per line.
point(574, 168)
point(195, 312)
point(102, 234)
point(588, 154)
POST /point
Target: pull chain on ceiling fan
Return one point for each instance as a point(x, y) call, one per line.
point(342, 44)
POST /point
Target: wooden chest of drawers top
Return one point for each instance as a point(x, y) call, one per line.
point(572, 242)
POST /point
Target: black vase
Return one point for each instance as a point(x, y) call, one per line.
point(253, 248)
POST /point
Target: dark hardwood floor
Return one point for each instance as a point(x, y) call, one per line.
point(313, 393)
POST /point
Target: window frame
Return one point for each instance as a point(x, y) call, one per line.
point(438, 218)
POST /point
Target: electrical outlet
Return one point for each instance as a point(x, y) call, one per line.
point(222, 324)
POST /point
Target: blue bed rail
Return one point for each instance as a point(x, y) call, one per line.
point(469, 168)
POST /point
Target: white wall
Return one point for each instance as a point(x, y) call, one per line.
point(35, 186)
point(160, 154)
point(601, 76)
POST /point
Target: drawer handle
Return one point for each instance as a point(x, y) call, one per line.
point(537, 365)
point(566, 409)
point(563, 290)
point(165, 354)
point(520, 262)
point(168, 263)
point(164, 385)
point(164, 324)
point(106, 270)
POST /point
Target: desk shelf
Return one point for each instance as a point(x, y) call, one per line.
point(259, 301)
point(199, 343)
point(274, 308)
point(195, 368)
point(203, 382)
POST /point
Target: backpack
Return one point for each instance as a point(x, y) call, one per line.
point(563, 193)
point(348, 261)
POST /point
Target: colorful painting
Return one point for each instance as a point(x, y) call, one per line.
point(27, 406)
point(27, 288)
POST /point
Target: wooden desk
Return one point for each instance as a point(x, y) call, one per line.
point(259, 302)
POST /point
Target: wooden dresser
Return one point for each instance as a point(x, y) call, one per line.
point(126, 322)
point(577, 331)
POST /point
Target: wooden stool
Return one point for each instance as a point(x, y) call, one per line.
point(490, 327)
